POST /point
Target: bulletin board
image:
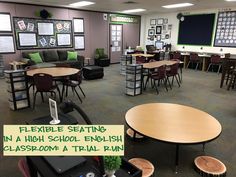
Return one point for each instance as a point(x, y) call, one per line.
point(225, 35)
point(32, 33)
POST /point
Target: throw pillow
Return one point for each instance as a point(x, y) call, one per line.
point(36, 57)
point(71, 56)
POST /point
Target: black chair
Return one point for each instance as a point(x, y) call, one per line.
point(74, 81)
point(194, 59)
point(44, 83)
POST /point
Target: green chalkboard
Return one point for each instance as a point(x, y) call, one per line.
point(33, 33)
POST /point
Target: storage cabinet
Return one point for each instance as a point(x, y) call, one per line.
point(134, 79)
point(124, 61)
point(18, 94)
point(1, 67)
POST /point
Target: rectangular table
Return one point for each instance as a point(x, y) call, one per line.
point(205, 57)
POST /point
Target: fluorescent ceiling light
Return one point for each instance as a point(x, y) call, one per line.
point(133, 10)
point(230, 0)
point(178, 5)
point(82, 3)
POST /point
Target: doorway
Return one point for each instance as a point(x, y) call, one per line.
point(116, 41)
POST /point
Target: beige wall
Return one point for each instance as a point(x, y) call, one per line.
point(96, 28)
point(174, 32)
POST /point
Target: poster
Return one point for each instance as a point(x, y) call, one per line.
point(78, 25)
point(5, 20)
point(45, 29)
point(63, 39)
point(6, 44)
point(79, 42)
point(27, 39)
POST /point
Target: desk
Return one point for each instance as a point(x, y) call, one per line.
point(203, 55)
point(156, 64)
point(54, 71)
point(65, 119)
point(173, 123)
point(38, 164)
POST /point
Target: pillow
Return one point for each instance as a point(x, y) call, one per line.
point(36, 57)
point(71, 56)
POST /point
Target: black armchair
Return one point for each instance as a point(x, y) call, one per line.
point(101, 59)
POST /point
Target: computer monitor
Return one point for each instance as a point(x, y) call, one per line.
point(159, 45)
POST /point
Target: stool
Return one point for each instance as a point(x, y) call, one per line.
point(88, 60)
point(130, 133)
point(93, 72)
point(209, 166)
point(144, 165)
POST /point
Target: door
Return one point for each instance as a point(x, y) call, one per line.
point(116, 35)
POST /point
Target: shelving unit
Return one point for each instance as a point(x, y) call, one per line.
point(1, 67)
point(134, 79)
point(18, 94)
point(124, 61)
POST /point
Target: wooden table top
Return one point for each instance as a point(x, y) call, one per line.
point(17, 63)
point(157, 64)
point(54, 71)
point(142, 55)
point(173, 123)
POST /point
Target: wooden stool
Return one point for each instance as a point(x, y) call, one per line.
point(144, 165)
point(209, 166)
point(130, 133)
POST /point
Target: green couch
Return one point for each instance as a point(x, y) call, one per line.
point(53, 58)
point(101, 59)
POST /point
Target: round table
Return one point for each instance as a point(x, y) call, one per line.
point(54, 71)
point(173, 123)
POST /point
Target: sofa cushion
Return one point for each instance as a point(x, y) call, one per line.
point(26, 54)
point(50, 55)
point(71, 56)
point(62, 55)
point(36, 57)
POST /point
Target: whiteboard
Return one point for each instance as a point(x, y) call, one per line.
point(27, 39)
point(6, 44)
point(5, 21)
point(78, 25)
point(45, 29)
point(79, 42)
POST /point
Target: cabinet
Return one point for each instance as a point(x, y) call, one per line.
point(1, 67)
point(18, 94)
point(134, 79)
point(124, 61)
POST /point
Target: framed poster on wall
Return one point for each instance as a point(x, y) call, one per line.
point(63, 39)
point(7, 44)
point(78, 25)
point(158, 29)
point(45, 29)
point(79, 42)
point(27, 39)
point(5, 19)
